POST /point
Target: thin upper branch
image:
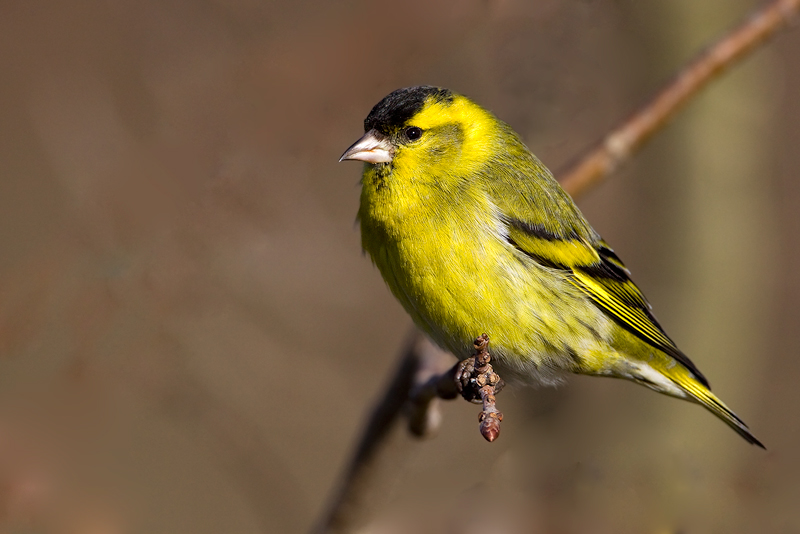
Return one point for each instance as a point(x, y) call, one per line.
point(629, 136)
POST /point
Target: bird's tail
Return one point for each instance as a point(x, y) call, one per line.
point(700, 394)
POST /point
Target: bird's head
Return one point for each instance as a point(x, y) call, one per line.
point(427, 131)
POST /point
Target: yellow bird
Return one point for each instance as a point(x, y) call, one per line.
point(472, 234)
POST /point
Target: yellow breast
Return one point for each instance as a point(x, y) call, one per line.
point(452, 269)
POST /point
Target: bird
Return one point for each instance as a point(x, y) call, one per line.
point(472, 234)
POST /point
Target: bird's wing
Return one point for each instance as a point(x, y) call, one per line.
point(593, 267)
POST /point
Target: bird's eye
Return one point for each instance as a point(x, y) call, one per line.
point(413, 133)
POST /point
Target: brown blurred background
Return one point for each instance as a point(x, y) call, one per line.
point(190, 336)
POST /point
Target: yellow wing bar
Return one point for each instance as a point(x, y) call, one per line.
point(596, 270)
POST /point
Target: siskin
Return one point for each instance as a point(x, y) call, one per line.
point(472, 234)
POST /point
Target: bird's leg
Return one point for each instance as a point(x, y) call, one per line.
point(464, 379)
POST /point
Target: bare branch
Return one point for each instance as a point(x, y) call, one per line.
point(627, 138)
point(420, 361)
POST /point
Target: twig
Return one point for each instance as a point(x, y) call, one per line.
point(432, 384)
point(421, 366)
point(477, 382)
point(628, 137)
point(473, 378)
point(490, 384)
point(587, 170)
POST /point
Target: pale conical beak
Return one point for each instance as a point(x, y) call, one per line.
point(374, 147)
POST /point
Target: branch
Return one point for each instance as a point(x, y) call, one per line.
point(417, 369)
point(420, 362)
point(628, 137)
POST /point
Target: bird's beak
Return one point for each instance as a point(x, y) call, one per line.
point(374, 147)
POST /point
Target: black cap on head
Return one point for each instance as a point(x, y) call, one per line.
point(397, 107)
